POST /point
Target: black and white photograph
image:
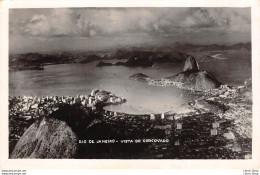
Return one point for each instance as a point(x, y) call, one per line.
point(130, 83)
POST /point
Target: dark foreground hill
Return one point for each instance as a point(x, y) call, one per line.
point(55, 135)
point(49, 138)
point(66, 133)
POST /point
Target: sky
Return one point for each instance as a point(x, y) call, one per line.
point(64, 29)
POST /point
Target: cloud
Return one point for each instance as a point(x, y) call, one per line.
point(60, 22)
point(37, 25)
point(218, 19)
point(89, 22)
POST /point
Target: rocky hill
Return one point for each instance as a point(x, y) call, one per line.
point(102, 63)
point(193, 78)
point(49, 138)
point(190, 78)
point(204, 81)
point(140, 77)
point(191, 64)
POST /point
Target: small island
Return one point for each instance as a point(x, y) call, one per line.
point(140, 77)
point(102, 63)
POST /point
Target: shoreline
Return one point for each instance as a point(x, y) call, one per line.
point(231, 111)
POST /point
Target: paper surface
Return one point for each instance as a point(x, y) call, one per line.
point(124, 163)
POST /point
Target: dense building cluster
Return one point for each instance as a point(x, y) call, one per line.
point(24, 110)
point(208, 136)
point(196, 136)
point(167, 82)
point(215, 126)
point(27, 106)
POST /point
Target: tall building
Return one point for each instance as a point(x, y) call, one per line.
point(83, 102)
point(215, 125)
point(214, 132)
point(93, 92)
point(162, 116)
point(152, 116)
point(111, 100)
point(90, 100)
point(179, 126)
point(223, 86)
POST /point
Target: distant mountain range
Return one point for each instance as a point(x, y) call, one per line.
point(214, 47)
point(147, 58)
point(143, 57)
